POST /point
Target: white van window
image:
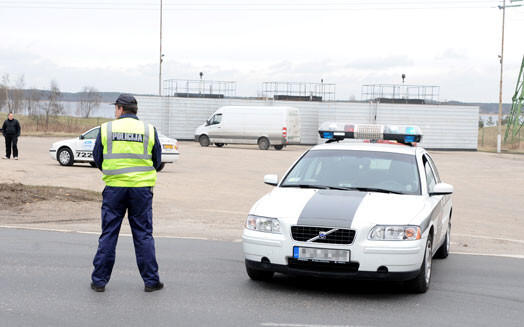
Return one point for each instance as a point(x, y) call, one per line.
point(216, 119)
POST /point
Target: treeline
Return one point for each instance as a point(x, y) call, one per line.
point(43, 106)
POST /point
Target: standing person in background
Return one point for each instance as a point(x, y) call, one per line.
point(11, 131)
point(128, 152)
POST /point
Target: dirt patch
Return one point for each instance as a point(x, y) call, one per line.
point(16, 195)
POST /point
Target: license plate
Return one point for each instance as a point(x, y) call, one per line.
point(313, 254)
point(168, 146)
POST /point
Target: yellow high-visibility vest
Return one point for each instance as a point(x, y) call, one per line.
point(128, 147)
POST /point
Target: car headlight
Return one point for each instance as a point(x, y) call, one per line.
point(395, 233)
point(263, 224)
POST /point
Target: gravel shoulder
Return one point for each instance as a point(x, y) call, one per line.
point(209, 191)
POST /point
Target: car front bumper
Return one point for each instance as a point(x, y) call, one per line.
point(274, 252)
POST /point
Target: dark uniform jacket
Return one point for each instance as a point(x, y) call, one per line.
point(11, 127)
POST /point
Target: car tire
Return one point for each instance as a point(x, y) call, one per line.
point(259, 275)
point(162, 165)
point(204, 140)
point(278, 147)
point(92, 164)
point(65, 157)
point(420, 284)
point(263, 143)
point(443, 250)
point(219, 145)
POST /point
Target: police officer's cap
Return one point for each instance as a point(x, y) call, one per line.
point(126, 100)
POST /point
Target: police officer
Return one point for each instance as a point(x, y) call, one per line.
point(11, 131)
point(128, 152)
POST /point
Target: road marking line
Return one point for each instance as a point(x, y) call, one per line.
point(305, 325)
point(515, 256)
point(96, 233)
point(491, 238)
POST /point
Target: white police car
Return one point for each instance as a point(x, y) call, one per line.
point(353, 210)
point(80, 149)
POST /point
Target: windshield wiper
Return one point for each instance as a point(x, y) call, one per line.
point(307, 186)
point(372, 189)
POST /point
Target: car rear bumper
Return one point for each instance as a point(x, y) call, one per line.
point(170, 157)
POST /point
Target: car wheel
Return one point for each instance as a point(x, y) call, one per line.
point(443, 250)
point(219, 145)
point(278, 147)
point(162, 165)
point(259, 275)
point(420, 284)
point(65, 157)
point(263, 143)
point(204, 140)
point(92, 164)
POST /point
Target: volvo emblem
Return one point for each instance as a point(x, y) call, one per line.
point(322, 235)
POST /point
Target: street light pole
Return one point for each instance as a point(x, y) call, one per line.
point(499, 135)
point(161, 55)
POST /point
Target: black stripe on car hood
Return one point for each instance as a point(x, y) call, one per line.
point(331, 208)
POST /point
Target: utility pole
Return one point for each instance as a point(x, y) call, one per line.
point(161, 55)
point(499, 134)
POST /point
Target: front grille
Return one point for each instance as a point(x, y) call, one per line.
point(350, 267)
point(306, 233)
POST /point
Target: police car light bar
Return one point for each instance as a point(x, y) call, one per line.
point(404, 134)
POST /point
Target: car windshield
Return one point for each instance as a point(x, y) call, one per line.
point(356, 170)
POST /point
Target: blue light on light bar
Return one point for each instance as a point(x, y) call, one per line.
point(409, 139)
point(327, 135)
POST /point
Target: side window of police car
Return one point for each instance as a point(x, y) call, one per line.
point(430, 177)
point(92, 134)
point(434, 168)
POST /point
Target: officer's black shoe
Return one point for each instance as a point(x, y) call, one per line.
point(98, 288)
point(153, 288)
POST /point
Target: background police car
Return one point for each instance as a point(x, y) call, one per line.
point(80, 149)
point(335, 231)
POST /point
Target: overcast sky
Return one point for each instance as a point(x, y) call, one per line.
point(114, 45)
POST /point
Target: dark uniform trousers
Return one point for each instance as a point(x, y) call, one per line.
point(138, 203)
point(11, 140)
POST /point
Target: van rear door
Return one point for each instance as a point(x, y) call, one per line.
point(293, 126)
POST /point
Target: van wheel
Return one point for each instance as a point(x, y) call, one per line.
point(219, 145)
point(204, 140)
point(278, 147)
point(263, 143)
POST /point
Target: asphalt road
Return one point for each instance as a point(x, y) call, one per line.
point(45, 276)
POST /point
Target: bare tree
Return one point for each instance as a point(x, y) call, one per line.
point(33, 105)
point(89, 101)
point(5, 83)
point(17, 95)
point(51, 106)
point(3, 97)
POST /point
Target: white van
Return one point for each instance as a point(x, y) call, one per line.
point(265, 126)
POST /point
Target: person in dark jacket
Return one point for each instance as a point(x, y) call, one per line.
point(11, 131)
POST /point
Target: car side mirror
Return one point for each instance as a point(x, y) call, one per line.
point(208, 123)
point(271, 179)
point(81, 137)
point(442, 189)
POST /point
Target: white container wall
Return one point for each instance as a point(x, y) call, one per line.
point(444, 127)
